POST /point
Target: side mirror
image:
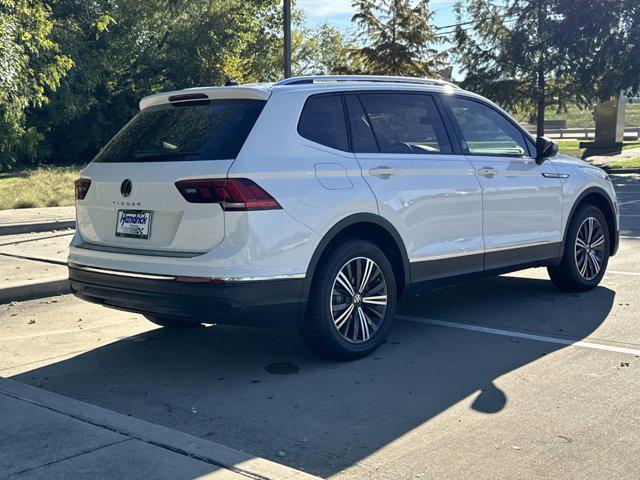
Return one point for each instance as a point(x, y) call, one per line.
point(545, 148)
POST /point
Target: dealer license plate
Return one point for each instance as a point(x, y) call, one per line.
point(134, 224)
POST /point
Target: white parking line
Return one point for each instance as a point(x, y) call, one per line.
point(62, 332)
point(618, 272)
point(630, 201)
point(527, 336)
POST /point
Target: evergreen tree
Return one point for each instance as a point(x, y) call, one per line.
point(531, 54)
point(508, 55)
point(601, 39)
point(398, 39)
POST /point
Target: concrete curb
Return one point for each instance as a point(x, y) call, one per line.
point(32, 227)
point(618, 171)
point(173, 440)
point(31, 290)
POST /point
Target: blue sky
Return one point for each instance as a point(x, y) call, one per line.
point(339, 12)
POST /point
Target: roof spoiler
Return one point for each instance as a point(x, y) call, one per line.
point(205, 93)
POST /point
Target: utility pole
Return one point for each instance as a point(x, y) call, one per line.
point(287, 38)
point(541, 84)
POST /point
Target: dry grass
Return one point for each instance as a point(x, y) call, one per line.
point(42, 187)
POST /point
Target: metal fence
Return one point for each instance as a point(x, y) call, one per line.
point(583, 132)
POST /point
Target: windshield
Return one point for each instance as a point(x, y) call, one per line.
point(202, 130)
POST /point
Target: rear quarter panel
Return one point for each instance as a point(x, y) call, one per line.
point(316, 185)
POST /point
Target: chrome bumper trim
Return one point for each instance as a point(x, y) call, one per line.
point(259, 279)
point(120, 273)
point(137, 251)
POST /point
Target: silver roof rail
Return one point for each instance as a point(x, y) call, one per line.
point(363, 78)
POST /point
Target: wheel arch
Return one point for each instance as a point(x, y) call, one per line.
point(367, 226)
point(600, 198)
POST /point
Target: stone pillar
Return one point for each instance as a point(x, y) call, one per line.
point(609, 118)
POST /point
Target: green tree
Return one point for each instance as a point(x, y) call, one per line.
point(531, 54)
point(601, 39)
point(398, 39)
point(510, 56)
point(315, 50)
point(31, 67)
point(128, 49)
point(320, 50)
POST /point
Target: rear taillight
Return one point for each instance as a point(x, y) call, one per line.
point(82, 187)
point(233, 194)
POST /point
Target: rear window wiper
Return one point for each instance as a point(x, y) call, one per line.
point(163, 153)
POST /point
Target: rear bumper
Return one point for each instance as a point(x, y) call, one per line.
point(255, 303)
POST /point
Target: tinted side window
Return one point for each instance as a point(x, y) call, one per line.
point(486, 131)
point(323, 121)
point(406, 123)
point(362, 139)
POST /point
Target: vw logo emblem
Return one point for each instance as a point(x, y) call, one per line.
point(125, 188)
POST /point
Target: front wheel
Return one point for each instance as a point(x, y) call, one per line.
point(352, 302)
point(586, 252)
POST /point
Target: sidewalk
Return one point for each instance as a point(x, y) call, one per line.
point(33, 265)
point(605, 160)
point(48, 436)
point(36, 220)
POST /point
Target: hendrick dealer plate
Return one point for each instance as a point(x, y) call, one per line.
point(133, 224)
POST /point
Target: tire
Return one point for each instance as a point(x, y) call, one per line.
point(171, 322)
point(328, 328)
point(572, 275)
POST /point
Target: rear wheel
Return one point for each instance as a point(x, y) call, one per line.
point(586, 252)
point(171, 322)
point(352, 302)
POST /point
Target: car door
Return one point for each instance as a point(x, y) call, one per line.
point(522, 201)
point(423, 185)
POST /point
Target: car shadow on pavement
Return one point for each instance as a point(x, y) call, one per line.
point(318, 415)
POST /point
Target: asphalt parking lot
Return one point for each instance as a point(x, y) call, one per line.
point(502, 378)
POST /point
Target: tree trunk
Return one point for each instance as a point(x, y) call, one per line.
point(541, 103)
point(541, 84)
point(394, 19)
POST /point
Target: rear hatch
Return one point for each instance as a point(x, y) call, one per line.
point(132, 200)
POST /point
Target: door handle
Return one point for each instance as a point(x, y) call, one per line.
point(487, 172)
point(382, 171)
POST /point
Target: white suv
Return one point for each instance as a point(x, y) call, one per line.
point(321, 201)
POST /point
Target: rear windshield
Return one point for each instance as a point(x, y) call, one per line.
point(202, 130)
